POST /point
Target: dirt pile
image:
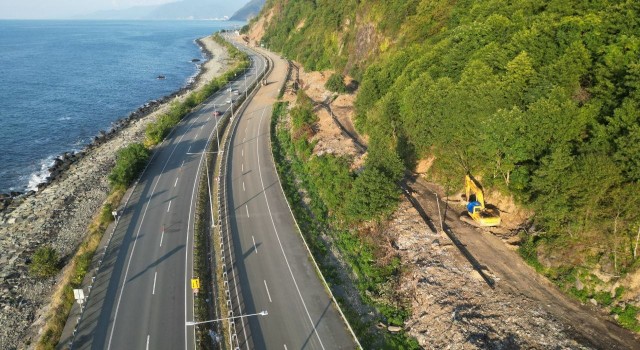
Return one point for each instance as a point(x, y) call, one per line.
point(453, 307)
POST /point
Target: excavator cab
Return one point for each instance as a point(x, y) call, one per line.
point(480, 215)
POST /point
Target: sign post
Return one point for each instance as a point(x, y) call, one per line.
point(195, 285)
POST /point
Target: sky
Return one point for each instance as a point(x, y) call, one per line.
point(60, 9)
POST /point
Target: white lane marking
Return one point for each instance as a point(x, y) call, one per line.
point(189, 150)
point(247, 207)
point(154, 283)
point(243, 167)
point(133, 248)
point(176, 184)
point(285, 346)
point(295, 283)
point(243, 152)
point(162, 236)
point(267, 288)
point(255, 247)
point(243, 186)
point(169, 208)
point(244, 138)
point(147, 342)
point(182, 164)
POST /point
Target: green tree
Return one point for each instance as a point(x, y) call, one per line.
point(373, 196)
point(335, 83)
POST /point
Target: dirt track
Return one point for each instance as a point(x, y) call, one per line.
point(517, 282)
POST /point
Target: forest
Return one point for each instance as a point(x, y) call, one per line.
point(538, 99)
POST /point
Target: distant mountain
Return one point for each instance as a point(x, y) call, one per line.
point(249, 11)
point(185, 9)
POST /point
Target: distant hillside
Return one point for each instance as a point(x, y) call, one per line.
point(186, 9)
point(249, 11)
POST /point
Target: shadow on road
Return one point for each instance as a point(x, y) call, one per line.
point(254, 196)
point(157, 262)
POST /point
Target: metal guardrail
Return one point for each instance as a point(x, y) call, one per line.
point(223, 214)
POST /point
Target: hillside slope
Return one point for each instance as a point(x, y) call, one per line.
point(540, 101)
point(248, 11)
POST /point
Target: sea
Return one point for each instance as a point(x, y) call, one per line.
point(62, 82)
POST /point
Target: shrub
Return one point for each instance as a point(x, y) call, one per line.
point(44, 262)
point(627, 317)
point(129, 163)
point(336, 83)
point(105, 213)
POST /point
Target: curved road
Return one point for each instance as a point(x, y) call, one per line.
point(273, 270)
point(141, 297)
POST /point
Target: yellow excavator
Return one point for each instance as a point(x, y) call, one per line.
point(478, 214)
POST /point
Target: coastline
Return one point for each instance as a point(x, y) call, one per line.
point(60, 211)
point(62, 161)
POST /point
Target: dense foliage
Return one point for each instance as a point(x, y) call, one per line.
point(129, 163)
point(541, 100)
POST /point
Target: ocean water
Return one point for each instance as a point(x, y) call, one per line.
point(61, 82)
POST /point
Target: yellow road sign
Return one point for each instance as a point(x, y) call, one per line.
point(195, 283)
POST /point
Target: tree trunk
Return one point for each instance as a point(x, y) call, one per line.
point(615, 244)
point(635, 249)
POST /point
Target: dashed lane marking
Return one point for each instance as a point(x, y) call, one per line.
point(154, 283)
point(255, 247)
point(267, 288)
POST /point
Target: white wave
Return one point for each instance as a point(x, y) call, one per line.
point(39, 176)
point(61, 119)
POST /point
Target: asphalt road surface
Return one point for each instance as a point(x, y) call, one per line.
point(142, 298)
point(273, 270)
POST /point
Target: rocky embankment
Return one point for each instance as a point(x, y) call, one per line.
point(60, 211)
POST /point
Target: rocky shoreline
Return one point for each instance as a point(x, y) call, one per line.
point(59, 212)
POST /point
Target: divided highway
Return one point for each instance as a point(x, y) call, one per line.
point(141, 297)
